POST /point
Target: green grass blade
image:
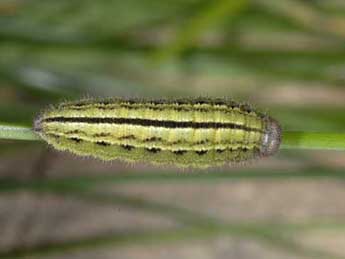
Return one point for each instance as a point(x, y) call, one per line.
point(17, 132)
point(214, 14)
point(313, 140)
point(291, 139)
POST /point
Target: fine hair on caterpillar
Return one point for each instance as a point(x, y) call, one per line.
point(186, 132)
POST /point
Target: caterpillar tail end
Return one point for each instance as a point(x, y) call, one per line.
point(272, 138)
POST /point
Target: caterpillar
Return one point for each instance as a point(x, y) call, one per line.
point(199, 132)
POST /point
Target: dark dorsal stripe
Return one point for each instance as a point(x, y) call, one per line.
point(154, 123)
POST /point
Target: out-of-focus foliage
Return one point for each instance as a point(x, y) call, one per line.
point(248, 50)
point(286, 57)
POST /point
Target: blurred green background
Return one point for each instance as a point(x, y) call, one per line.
point(286, 57)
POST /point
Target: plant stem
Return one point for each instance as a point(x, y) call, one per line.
point(313, 140)
point(291, 139)
point(17, 132)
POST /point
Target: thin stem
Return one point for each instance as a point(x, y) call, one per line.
point(291, 139)
point(17, 132)
point(313, 140)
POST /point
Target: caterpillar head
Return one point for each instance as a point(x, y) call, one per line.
point(272, 138)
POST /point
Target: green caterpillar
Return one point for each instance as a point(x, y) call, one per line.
point(184, 132)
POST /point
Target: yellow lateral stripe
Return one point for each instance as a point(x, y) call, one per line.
point(139, 135)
